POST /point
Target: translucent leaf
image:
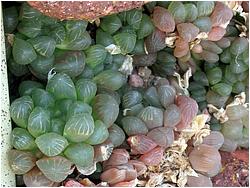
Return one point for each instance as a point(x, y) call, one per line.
point(118, 157)
point(139, 48)
point(71, 63)
point(131, 98)
point(17, 69)
point(22, 140)
point(162, 136)
point(163, 20)
point(20, 110)
point(41, 66)
point(236, 112)
point(191, 12)
point(103, 38)
point(38, 122)
point(181, 48)
point(80, 154)
point(105, 108)
point(125, 41)
point(166, 95)
point(58, 33)
point(222, 89)
point(224, 43)
point(200, 181)
point(206, 160)
point(237, 66)
point(177, 9)
point(23, 52)
point(214, 139)
point(57, 126)
point(238, 87)
point(27, 12)
point(151, 116)
point(153, 157)
point(239, 45)
point(216, 33)
point(216, 99)
point(103, 151)
point(205, 8)
point(226, 56)
point(155, 41)
point(134, 17)
point(35, 178)
point(74, 42)
point(51, 144)
point(113, 175)
point(141, 144)
point(110, 79)
point(99, 135)
point(44, 45)
point(146, 27)
point(133, 126)
point(151, 96)
point(10, 19)
point(30, 28)
point(187, 31)
point(88, 170)
point(201, 77)
point(188, 108)
point(42, 98)
point(76, 27)
point(61, 87)
point(203, 23)
point(209, 57)
point(26, 87)
point(172, 116)
point(221, 14)
point(214, 75)
point(110, 24)
point(116, 135)
point(21, 162)
point(95, 55)
point(211, 46)
point(78, 107)
point(55, 168)
point(79, 127)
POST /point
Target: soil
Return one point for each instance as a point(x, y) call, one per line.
point(235, 170)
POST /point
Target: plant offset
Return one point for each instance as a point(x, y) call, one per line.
point(145, 97)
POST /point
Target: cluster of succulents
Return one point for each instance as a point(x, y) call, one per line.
point(107, 100)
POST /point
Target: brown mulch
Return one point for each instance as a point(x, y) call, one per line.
point(235, 170)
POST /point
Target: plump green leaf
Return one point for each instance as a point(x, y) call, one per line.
point(146, 27)
point(201, 77)
point(76, 27)
point(57, 126)
point(151, 96)
point(99, 135)
point(205, 8)
point(134, 17)
point(103, 38)
point(20, 110)
point(51, 144)
point(38, 122)
point(78, 107)
point(110, 23)
point(166, 95)
point(26, 87)
point(237, 66)
point(116, 135)
point(21, 139)
point(44, 45)
point(42, 98)
point(133, 126)
point(105, 108)
point(222, 88)
point(177, 9)
point(139, 48)
point(79, 127)
point(61, 87)
point(203, 23)
point(23, 52)
point(58, 33)
point(191, 12)
point(86, 90)
point(17, 69)
point(95, 55)
point(80, 154)
point(29, 13)
point(125, 41)
point(55, 168)
point(20, 161)
point(239, 45)
point(73, 42)
point(226, 56)
point(131, 98)
point(10, 19)
point(30, 28)
point(71, 63)
point(62, 107)
point(110, 79)
point(214, 75)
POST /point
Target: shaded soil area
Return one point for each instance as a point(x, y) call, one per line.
point(235, 170)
